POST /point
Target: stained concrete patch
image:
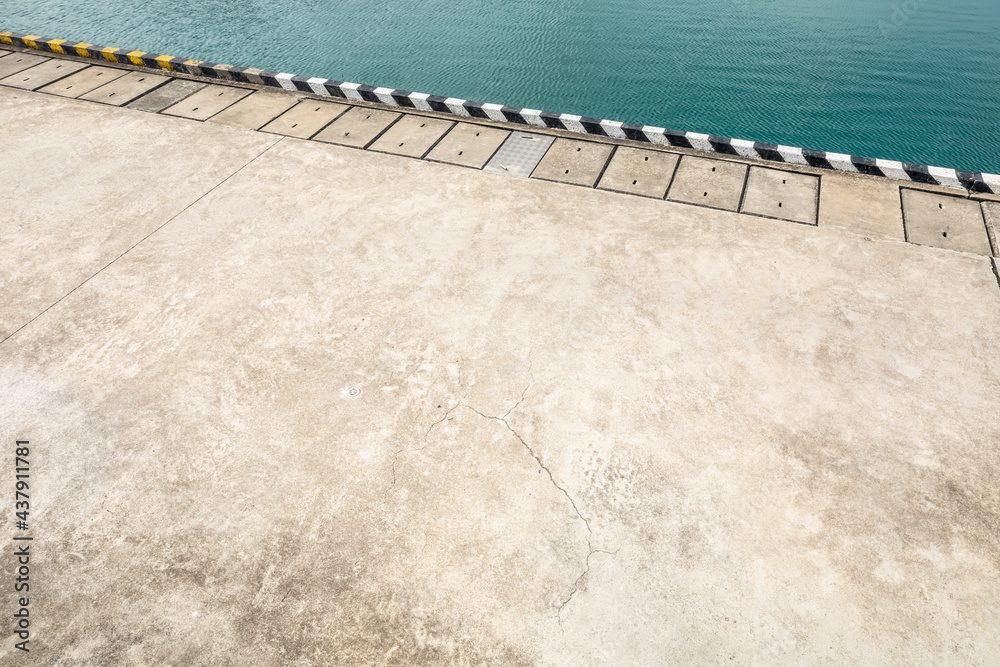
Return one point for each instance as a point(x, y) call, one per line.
point(17, 62)
point(359, 127)
point(468, 145)
point(255, 111)
point(83, 81)
point(782, 194)
point(166, 95)
point(945, 222)
point(712, 183)
point(640, 172)
point(42, 74)
point(135, 173)
point(519, 154)
point(207, 102)
point(572, 161)
point(411, 136)
point(862, 205)
point(125, 89)
point(305, 119)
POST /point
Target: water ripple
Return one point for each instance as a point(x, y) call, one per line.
point(854, 76)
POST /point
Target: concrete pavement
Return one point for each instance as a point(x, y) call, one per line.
point(295, 403)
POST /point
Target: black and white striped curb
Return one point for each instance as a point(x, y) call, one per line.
point(903, 171)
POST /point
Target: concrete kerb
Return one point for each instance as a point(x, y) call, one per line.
point(643, 134)
point(991, 216)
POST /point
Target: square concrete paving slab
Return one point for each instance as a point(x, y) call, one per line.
point(991, 213)
point(941, 221)
point(167, 95)
point(207, 102)
point(468, 145)
point(256, 111)
point(359, 127)
point(573, 161)
point(411, 135)
point(519, 154)
point(305, 119)
point(42, 74)
point(137, 177)
point(17, 62)
point(782, 194)
point(639, 172)
point(706, 182)
point(861, 204)
point(83, 81)
point(123, 90)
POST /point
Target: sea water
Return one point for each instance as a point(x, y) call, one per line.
point(911, 80)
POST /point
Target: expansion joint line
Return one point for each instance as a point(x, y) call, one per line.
point(136, 244)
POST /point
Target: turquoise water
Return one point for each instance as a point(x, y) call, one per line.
point(912, 80)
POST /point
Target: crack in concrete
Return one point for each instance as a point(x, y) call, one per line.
point(446, 415)
point(395, 456)
point(538, 460)
point(590, 547)
point(586, 571)
point(525, 391)
point(392, 485)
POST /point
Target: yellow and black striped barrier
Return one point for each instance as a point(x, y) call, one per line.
point(140, 58)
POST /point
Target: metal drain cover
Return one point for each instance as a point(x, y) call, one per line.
point(519, 154)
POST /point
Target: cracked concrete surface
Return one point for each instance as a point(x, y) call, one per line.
point(350, 408)
point(591, 550)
